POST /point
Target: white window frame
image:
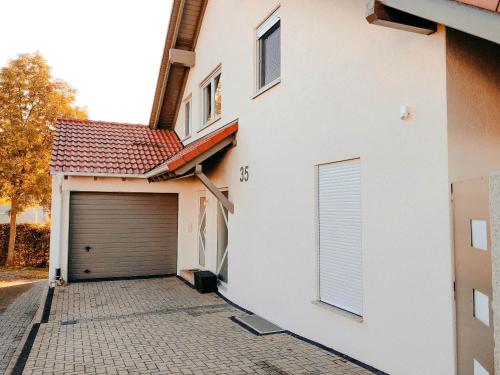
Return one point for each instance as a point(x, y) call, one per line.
point(188, 127)
point(207, 81)
point(264, 27)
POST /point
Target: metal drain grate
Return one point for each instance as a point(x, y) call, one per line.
point(258, 324)
point(68, 322)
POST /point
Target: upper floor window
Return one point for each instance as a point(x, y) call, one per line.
point(269, 51)
point(188, 117)
point(211, 93)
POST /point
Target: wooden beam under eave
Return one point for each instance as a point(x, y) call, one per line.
point(182, 57)
point(228, 205)
point(382, 15)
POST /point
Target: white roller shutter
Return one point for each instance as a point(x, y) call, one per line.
point(340, 246)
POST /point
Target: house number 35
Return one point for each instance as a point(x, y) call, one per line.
point(244, 174)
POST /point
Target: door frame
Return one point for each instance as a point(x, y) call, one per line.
point(226, 252)
point(211, 217)
point(199, 195)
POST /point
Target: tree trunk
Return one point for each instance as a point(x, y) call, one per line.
point(12, 233)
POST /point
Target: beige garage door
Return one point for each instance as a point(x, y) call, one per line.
point(122, 235)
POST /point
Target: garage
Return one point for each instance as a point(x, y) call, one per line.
point(113, 235)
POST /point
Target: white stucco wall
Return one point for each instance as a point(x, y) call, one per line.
point(343, 82)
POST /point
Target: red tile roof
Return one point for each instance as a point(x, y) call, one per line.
point(199, 146)
point(107, 147)
point(493, 5)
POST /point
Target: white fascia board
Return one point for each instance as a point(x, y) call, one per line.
point(471, 20)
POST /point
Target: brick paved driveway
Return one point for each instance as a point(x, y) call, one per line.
point(161, 326)
point(16, 317)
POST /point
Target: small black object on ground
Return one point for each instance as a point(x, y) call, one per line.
point(205, 282)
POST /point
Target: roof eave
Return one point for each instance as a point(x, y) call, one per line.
point(93, 174)
point(173, 169)
point(471, 20)
point(170, 42)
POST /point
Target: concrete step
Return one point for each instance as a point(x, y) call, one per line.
point(188, 275)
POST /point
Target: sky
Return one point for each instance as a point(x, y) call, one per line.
point(108, 50)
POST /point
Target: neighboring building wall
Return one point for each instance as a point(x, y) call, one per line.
point(473, 81)
point(473, 85)
point(35, 215)
point(495, 238)
point(342, 84)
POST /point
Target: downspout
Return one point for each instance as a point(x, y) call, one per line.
point(60, 180)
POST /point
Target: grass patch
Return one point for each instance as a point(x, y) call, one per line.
point(12, 274)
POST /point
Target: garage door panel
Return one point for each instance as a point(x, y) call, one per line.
point(122, 229)
point(129, 235)
point(124, 212)
point(111, 219)
point(105, 197)
point(107, 204)
point(141, 266)
point(118, 273)
point(117, 241)
point(103, 244)
point(112, 215)
point(119, 269)
point(82, 239)
point(130, 222)
point(98, 269)
point(117, 254)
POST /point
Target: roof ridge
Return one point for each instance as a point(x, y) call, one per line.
point(99, 122)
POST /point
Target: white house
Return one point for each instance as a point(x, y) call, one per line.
point(332, 172)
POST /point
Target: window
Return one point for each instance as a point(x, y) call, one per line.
point(211, 98)
point(340, 247)
point(479, 369)
point(479, 234)
point(481, 307)
point(202, 229)
point(188, 118)
point(269, 52)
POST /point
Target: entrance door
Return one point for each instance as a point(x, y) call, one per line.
point(202, 229)
point(222, 241)
point(473, 277)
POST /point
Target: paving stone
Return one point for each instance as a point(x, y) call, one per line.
point(15, 319)
point(158, 326)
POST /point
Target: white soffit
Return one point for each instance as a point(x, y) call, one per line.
point(471, 20)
